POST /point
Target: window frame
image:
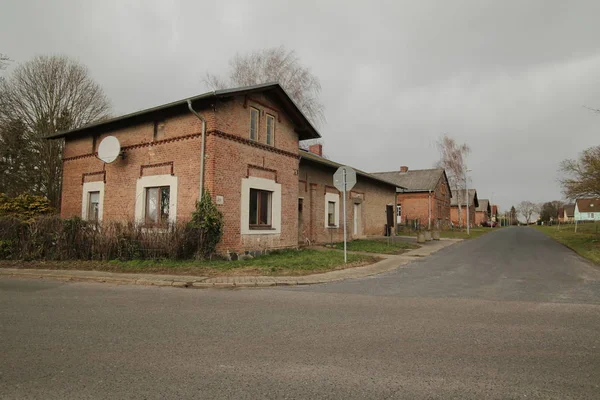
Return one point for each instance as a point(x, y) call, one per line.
point(155, 181)
point(331, 214)
point(334, 198)
point(264, 184)
point(91, 187)
point(89, 206)
point(272, 135)
point(256, 130)
point(260, 193)
point(161, 221)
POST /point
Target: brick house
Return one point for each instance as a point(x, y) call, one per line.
point(459, 196)
point(369, 205)
point(483, 212)
point(250, 166)
point(425, 197)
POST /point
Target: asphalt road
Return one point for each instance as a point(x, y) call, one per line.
point(509, 315)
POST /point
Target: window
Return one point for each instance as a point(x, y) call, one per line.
point(92, 197)
point(93, 207)
point(254, 116)
point(331, 213)
point(157, 205)
point(398, 210)
point(270, 129)
point(591, 215)
point(159, 128)
point(260, 209)
point(332, 210)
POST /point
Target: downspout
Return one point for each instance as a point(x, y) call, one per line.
point(429, 222)
point(189, 102)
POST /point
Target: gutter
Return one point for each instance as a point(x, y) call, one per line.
point(202, 154)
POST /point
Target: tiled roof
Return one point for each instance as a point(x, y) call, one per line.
point(414, 180)
point(456, 194)
point(304, 127)
point(484, 205)
point(308, 156)
point(570, 210)
point(588, 205)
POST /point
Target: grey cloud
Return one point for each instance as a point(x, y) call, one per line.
point(508, 77)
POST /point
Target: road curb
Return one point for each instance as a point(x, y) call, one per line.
point(386, 264)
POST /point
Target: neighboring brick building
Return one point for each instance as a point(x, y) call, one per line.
point(251, 168)
point(459, 196)
point(426, 196)
point(483, 212)
point(369, 205)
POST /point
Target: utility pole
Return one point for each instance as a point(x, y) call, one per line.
point(467, 194)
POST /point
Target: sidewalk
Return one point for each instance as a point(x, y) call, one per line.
point(389, 263)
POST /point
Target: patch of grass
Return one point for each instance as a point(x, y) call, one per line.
point(377, 246)
point(458, 233)
point(278, 263)
point(585, 242)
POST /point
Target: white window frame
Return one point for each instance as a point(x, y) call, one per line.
point(260, 184)
point(256, 139)
point(155, 181)
point(335, 198)
point(269, 116)
point(92, 187)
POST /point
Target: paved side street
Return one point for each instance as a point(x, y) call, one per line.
point(509, 315)
point(388, 263)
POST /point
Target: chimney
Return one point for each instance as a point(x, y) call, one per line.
point(316, 149)
point(404, 168)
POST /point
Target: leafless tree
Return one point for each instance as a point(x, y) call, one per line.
point(4, 60)
point(453, 161)
point(280, 65)
point(526, 209)
point(582, 176)
point(43, 96)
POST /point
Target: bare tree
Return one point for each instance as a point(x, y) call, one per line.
point(526, 209)
point(582, 176)
point(46, 95)
point(280, 65)
point(4, 60)
point(453, 161)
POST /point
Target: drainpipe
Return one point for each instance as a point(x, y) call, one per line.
point(189, 102)
point(429, 222)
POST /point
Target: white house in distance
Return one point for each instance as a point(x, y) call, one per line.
point(587, 210)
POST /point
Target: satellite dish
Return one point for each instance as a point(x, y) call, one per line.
point(109, 149)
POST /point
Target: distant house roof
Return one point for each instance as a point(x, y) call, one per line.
point(460, 196)
point(570, 210)
point(418, 180)
point(304, 128)
point(311, 157)
point(484, 205)
point(588, 205)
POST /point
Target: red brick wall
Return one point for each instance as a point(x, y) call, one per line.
point(121, 176)
point(481, 217)
point(416, 206)
point(454, 215)
point(230, 157)
point(316, 180)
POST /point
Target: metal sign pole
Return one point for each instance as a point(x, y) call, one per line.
point(345, 254)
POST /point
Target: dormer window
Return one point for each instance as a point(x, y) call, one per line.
point(254, 118)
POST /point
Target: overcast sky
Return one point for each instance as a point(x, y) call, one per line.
point(510, 78)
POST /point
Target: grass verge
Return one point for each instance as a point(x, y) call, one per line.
point(377, 246)
point(585, 242)
point(458, 233)
point(278, 263)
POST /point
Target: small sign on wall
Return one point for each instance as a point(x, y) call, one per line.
point(220, 200)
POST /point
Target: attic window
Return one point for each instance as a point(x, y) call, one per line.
point(159, 129)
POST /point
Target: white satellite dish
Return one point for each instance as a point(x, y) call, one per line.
point(109, 149)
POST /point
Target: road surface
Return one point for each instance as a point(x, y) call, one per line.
point(511, 314)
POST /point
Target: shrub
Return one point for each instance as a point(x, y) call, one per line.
point(207, 226)
point(24, 207)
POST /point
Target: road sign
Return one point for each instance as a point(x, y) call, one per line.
point(338, 179)
point(344, 179)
